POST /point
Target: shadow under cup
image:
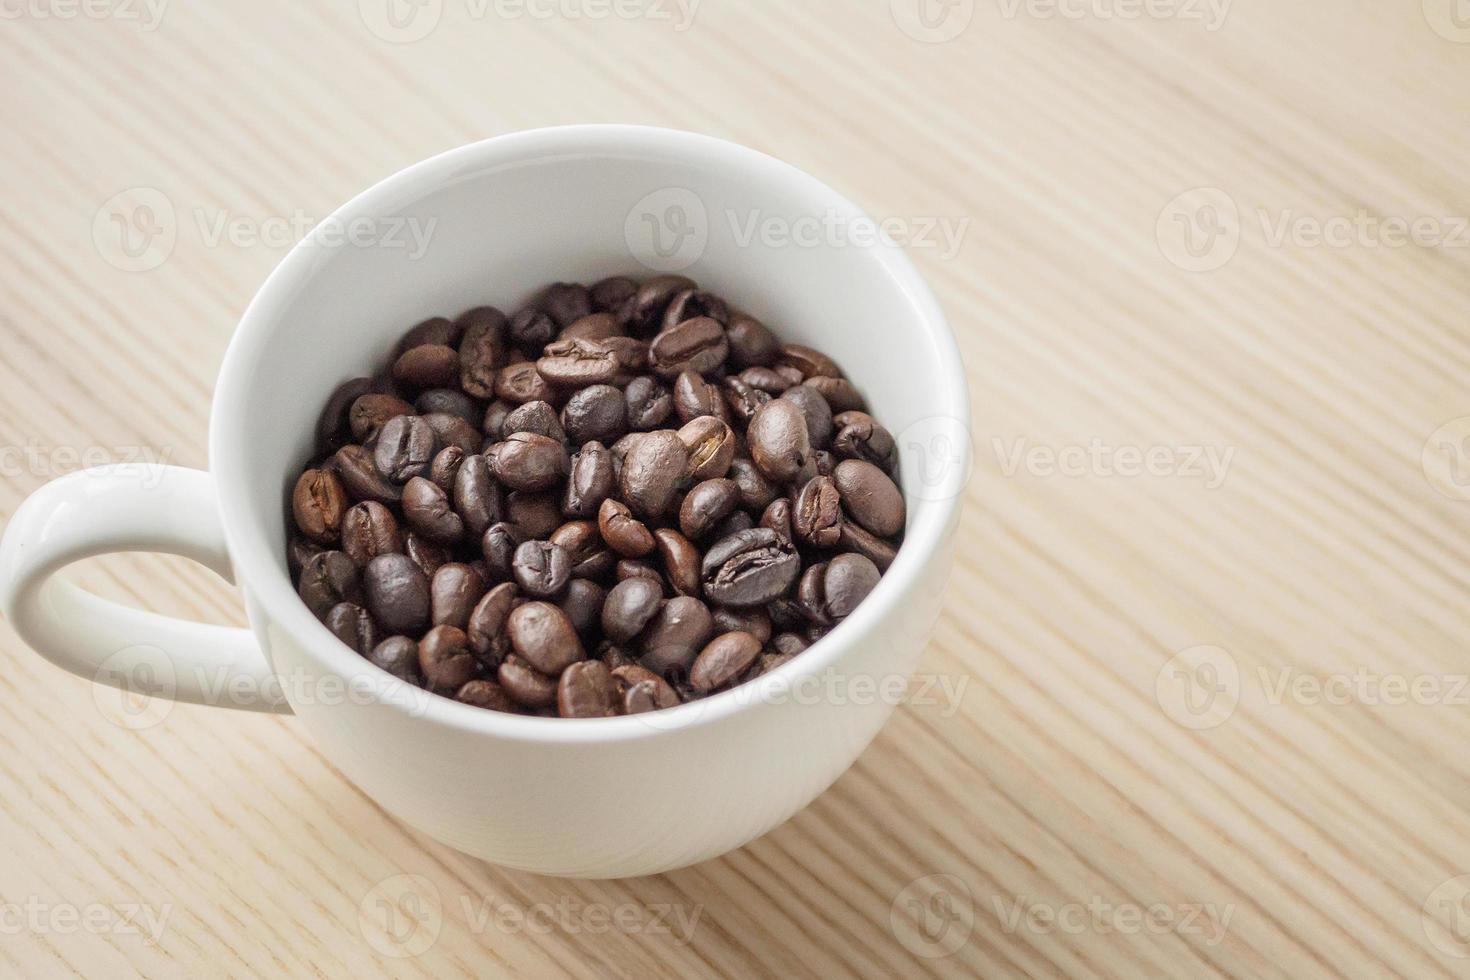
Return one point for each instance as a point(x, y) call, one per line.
point(489, 225)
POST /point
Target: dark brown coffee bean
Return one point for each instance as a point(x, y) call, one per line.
point(486, 626)
point(839, 393)
point(610, 294)
point(575, 363)
point(477, 497)
point(750, 568)
point(680, 560)
point(696, 345)
point(427, 555)
point(773, 661)
point(351, 624)
point(482, 350)
point(298, 553)
point(859, 541)
point(694, 396)
point(426, 509)
point(445, 660)
point(648, 696)
point(435, 330)
point(777, 517)
point(591, 481)
point(493, 425)
point(870, 497)
point(451, 430)
point(541, 568)
point(675, 635)
point(565, 302)
point(859, 437)
point(498, 544)
point(519, 383)
point(406, 446)
point(652, 470)
point(627, 568)
point(454, 591)
point(751, 344)
point(427, 366)
point(319, 503)
point(756, 622)
point(585, 550)
point(691, 304)
point(334, 426)
point(756, 493)
point(527, 461)
point(623, 532)
point(586, 690)
point(779, 444)
point(327, 578)
point(538, 514)
point(815, 410)
point(648, 402)
point(710, 443)
point(595, 413)
point(848, 581)
point(537, 417)
point(531, 330)
point(485, 694)
point(816, 513)
point(594, 327)
point(527, 686)
point(582, 603)
point(811, 596)
point(368, 530)
point(541, 634)
point(444, 467)
point(765, 379)
point(629, 606)
point(449, 401)
point(743, 399)
point(360, 476)
point(788, 644)
point(372, 411)
point(399, 656)
point(722, 660)
point(644, 311)
point(397, 593)
point(706, 505)
point(811, 363)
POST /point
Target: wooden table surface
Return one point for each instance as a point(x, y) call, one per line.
point(1206, 709)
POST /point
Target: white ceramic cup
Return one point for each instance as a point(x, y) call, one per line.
point(598, 798)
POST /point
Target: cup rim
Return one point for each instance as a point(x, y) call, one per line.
point(256, 560)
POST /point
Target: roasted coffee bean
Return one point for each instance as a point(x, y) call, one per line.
point(623, 532)
point(648, 403)
point(565, 302)
point(444, 467)
point(406, 446)
point(609, 295)
point(397, 592)
point(399, 656)
point(575, 363)
point(855, 538)
point(489, 640)
point(756, 493)
point(788, 644)
point(327, 578)
point(750, 568)
point(485, 694)
point(723, 659)
point(445, 660)
point(765, 379)
point(498, 545)
point(477, 497)
point(839, 393)
point(424, 553)
point(582, 603)
point(372, 411)
point(811, 363)
point(756, 622)
point(451, 430)
point(710, 444)
point(779, 443)
point(360, 476)
point(859, 437)
point(675, 635)
point(527, 461)
point(352, 624)
point(538, 417)
point(369, 529)
point(584, 547)
point(586, 690)
point(538, 514)
point(651, 472)
point(493, 425)
point(743, 399)
point(595, 327)
point(435, 330)
point(628, 607)
point(680, 560)
point(816, 513)
point(848, 581)
point(449, 401)
point(319, 503)
point(519, 382)
point(694, 396)
point(526, 686)
point(426, 509)
point(531, 330)
point(772, 661)
point(541, 568)
point(778, 518)
point(427, 366)
point(627, 568)
point(811, 597)
point(334, 426)
point(591, 481)
point(706, 505)
point(541, 634)
point(690, 304)
point(482, 350)
point(649, 695)
point(696, 345)
point(815, 410)
point(644, 311)
point(298, 553)
point(870, 497)
point(595, 413)
point(751, 344)
point(454, 591)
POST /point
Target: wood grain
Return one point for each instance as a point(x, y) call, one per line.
point(1080, 820)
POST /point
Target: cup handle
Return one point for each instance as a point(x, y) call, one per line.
point(128, 507)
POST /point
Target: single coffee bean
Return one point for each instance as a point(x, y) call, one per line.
point(327, 578)
point(690, 304)
point(756, 493)
point(444, 467)
point(609, 295)
point(788, 644)
point(811, 596)
point(435, 330)
point(750, 568)
point(751, 344)
point(859, 437)
point(565, 302)
point(451, 430)
point(334, 426)
point(427, 366)
point(351, 624)
point(535, 513)
point(591, 481)
point(538, 417)
point(585, 550)
point(427, 555)
point(454, 591)
point(369, 529)
point(870, 497)
point(397, 593)
point(486, 626)
point(575, 363)
point(541, 634)
point(675, 635)
point(652, 470)
point(816, 514)
point(498, 545)
point(485, 694)
point(399, 656)
point(594, 326)
point(582, 603)
point(706, 505)
point(623, 532)
point(694, 396)
point(493, 425)
point(778, 516)
point(527, 461)
point(848, 581)
point(482, 350)
point(445, 660)
point(779, 443)
point(644, 312)
point(449, 401)
point(815, 410)
point(372, 411)
point(541, 568)
point(586, 690)
point(630, 673)
point(526, 686)
point(811, 363)
point(319, 503)
point(696, 345)
point(856, 539)
point(519, 382)
point(680, 560)
point(426, 509)
point(710, 444)
point(722, 660)
point(765, 379)
point(839, 393)
point(648, 696)
point(477, 497)
point(648, 403)
point(627, 568)
point(406, 446)
point(744, 400)
point(756, 622)
point(354, 465)
point(595, 413)
point(628, 607)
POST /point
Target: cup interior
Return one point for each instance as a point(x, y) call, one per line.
point(492, 222)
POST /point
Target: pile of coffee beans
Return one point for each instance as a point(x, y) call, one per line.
point(618, 499)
